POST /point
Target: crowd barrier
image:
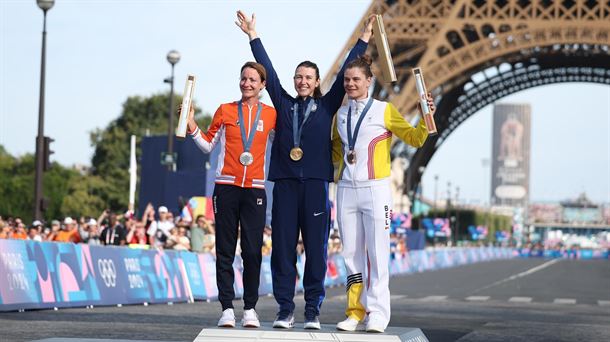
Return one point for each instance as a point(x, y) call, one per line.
point(583, 254)
point(37, 275)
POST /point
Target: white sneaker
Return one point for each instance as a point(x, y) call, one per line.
point(227, 320)
point(350, 324)
point(250, 319)
point(312, 323)
point(284, 321)
point(375, 325)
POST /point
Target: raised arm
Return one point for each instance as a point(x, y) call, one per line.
point(337, 92)
point(396, 123)
point(274, 87)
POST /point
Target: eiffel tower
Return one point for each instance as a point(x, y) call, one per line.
point(475, 52)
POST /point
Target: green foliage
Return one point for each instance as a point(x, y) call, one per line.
point(140, 116)
point(87, 196)
point(17, 185)
point(71, 193)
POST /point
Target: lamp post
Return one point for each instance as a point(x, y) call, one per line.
point(44, 5)
point(173, 57)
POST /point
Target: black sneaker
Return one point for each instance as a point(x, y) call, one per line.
point(284, 320)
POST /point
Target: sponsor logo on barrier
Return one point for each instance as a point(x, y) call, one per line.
point(107, 272)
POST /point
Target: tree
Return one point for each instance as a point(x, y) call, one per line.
point(140, 116)
point(17, 186)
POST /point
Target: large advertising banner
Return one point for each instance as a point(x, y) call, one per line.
point(510, 166)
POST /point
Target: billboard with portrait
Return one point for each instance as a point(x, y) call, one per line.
point(510, 155)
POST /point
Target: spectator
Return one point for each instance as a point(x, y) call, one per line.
point(4, 229)
point(178, 239)
point(114, 233)
point(159, 231)
point(267, 240)
point(137, 235)
point(34, 233)
point(197, 234)
point(69, 233)
point(19, 232)
point(55, 227)
point(93, 237)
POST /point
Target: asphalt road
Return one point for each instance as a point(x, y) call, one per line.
point(507, 300)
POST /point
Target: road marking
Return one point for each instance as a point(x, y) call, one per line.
point(477, 298)
point(520, 299)
point(519, 275)
point(395, 297)
point(603, 302)
point(433, 298)
point(564, 301)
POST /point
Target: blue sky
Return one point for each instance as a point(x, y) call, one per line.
point(99, 52)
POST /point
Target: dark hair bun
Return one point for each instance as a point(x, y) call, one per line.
point(366, 59)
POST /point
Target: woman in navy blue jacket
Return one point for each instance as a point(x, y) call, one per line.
point(301, 168)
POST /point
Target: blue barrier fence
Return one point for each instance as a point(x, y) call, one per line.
point(35, 275)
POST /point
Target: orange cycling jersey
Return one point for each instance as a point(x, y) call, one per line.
point(225, 128)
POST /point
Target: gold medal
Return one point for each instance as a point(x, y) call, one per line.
point(296, 153)
point(351, 156)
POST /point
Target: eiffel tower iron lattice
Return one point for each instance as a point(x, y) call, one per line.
point(507, 45)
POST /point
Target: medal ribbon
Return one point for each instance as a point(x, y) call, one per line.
point(296, 129)
point(242, 125)
point(351, 139)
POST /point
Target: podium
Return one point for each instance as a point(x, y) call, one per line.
point(328, 333)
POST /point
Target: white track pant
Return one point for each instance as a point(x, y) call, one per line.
point(363, 214)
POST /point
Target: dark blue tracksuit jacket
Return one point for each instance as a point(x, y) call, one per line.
point(300, 194)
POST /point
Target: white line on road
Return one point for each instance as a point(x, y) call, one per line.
point(520, 299)
point(603, 302)
point(477, 298)
point(433, 298)
point(519, 275)
point(564, 301)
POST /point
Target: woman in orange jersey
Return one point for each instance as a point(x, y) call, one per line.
point(242, 129)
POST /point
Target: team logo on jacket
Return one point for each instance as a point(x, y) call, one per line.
point(259, 201)
point(259, 126)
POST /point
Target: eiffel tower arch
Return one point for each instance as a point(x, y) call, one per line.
point(475, 52)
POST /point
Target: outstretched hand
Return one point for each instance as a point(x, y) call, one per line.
point(247, 25)
point(367, 30)
point(430, 101)
point(191, 123)
point(431, 105)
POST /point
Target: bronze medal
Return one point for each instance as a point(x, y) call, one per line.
point(296, 153)
point(351, 156)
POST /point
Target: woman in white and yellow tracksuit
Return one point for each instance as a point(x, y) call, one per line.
point(361, 147)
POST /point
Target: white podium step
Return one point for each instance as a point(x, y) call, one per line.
point(328, 333)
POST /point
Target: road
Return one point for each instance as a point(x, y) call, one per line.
point(504, 300)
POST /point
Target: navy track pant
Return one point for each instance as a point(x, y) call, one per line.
point(299, 205)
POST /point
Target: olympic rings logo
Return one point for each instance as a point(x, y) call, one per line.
point(107, 272)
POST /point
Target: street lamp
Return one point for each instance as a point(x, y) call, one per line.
point(173, 57)
point(44, 5)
